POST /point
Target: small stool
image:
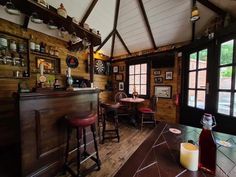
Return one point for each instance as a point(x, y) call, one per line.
point(109, 111)
point(80, 123)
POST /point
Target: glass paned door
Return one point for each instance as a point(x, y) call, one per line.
point(197, 76)
point(226, 78)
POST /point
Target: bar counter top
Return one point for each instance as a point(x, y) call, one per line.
point(61, 93)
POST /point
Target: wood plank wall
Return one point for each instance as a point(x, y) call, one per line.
point(167, 109)
point(8, 86)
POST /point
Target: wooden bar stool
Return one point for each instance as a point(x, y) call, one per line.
point(109, 112)
point(80, 123)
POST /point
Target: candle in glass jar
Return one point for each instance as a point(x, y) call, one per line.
point(189, 154)
point(41, 68)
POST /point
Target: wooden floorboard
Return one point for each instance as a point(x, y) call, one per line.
point(113, 155)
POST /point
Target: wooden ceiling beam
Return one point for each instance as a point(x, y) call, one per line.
point(104, 42)
point(122, 41)
point(140, 2)
point(92, 5)
point(213, 7)
point(115, 26)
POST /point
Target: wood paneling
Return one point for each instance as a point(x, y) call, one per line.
point(43, 128)
point(9, 86)
point(166, 108)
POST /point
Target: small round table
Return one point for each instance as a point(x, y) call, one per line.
point(134, 102)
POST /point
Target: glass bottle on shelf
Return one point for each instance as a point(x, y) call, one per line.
point(32, 43)
point(207, 145)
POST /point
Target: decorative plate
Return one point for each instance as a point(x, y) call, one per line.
point(72, 61)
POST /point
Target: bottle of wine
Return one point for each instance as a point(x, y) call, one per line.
point(207, 145)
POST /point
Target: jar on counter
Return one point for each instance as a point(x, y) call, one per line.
point(62, 11)
point(13, 45)
point(3, 42)
point(37, 47)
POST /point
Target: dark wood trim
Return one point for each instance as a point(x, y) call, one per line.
point(116, 14)
point(147, 23)
point(193, 30)
point(115, 26)
point(92, 5)
point(26, 22)
point(104, 42)
point(213, 7)
point(113, 44)
point(91, 63)
point(122, 41)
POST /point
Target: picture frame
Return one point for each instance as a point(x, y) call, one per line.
point(121, 68)
point(157, 72)
point(121, 86)
point(115, 69)
point(119, 77)
point(169, 75)
point(158, 80)
point(163, 91)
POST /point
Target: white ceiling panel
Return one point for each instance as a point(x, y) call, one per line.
point(169, 21)
point(131, 26)
point(102, 19)
point(118, 47)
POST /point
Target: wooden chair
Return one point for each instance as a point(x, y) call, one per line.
point(147, 114)
point(123, 109)
point(109, 113)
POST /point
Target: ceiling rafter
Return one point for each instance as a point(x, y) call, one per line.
point(140, 2)
point(92, 5)
point(122, 41)
point(115, 26)
point(213, 7)
point(104, 42)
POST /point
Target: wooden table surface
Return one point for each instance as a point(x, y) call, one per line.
point(158, 155)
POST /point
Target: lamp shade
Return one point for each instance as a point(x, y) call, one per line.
point(195, 14)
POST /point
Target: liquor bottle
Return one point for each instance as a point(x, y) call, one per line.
point(207, 145)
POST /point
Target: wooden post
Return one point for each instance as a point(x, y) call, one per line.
point(91, 62)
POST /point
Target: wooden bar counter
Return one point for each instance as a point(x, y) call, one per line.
point(43, 129)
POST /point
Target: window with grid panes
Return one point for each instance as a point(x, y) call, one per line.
point(138, 78)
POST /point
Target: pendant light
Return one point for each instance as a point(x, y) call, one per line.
point(35, 18)
point(195, 15)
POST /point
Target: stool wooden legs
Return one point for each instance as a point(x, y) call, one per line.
point(78, 151)
point(95, 145)
point(81, 156)
point(115, 130)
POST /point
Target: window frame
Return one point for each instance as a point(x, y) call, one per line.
point(135, 62)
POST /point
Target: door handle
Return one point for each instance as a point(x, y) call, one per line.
point(207, 88)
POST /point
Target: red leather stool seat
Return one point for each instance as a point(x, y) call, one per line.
point(82, 121)
point(145, 110)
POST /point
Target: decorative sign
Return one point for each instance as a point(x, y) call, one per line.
point(71, 61)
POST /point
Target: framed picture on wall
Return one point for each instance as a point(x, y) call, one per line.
point(163, 91)
point(121, 86)
point(158, 80)
point(119, 77)
point(115, 69)
point(122, 68)
point(169, 75)
point(157, 72)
